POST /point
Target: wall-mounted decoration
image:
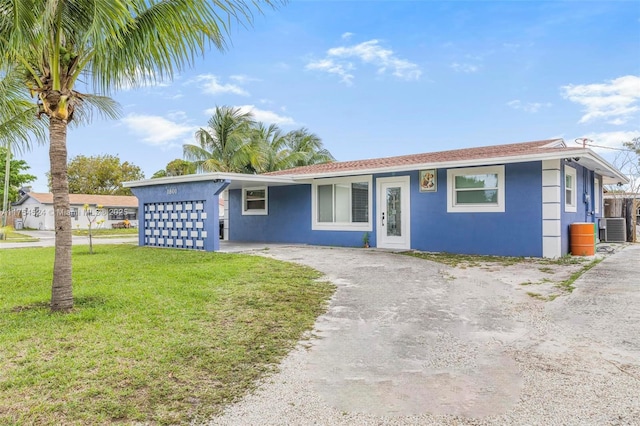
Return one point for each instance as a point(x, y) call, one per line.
point(428, 180)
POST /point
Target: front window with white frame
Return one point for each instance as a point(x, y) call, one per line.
point(342, 204)
point(255, 201)
point(570, 190)
point(476, 190)
point(597, 195)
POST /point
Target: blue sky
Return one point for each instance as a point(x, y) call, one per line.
point(384, 78)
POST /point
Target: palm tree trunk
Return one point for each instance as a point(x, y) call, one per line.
point(62, 290)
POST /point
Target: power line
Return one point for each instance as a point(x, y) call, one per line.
point(583, 142)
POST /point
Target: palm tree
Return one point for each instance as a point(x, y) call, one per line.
point(226, 144)
point(234, 142)
point(271, 144)
point(280, 151)
point(310, 146)
point(18, 124)
point(102, 45)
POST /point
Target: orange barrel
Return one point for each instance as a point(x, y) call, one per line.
point(582, 239)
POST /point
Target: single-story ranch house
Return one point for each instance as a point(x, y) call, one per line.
point(514, 200)
point(36, 210)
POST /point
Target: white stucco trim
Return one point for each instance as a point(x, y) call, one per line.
point(551, 209)
point(238, 180)
point(498, 207)
point(341, 226)
point(255, 212)
point(404, 241)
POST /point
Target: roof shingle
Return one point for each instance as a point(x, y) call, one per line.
point(495, 151)
point(82, 199)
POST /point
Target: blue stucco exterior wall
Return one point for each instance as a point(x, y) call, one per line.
point(516, 232)
point(288, 221)
point(180, 215)
point(585, 209)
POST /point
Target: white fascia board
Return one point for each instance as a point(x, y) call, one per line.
point(200, 177)
point(22, 200)
point(607, 169)
point(556, 143)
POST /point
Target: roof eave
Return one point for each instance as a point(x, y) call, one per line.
point(611, 175)
point(240, 179)
point(203, 177)
point(21, 200)
point(606, 170)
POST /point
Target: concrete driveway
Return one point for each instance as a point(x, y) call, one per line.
point(408, 341)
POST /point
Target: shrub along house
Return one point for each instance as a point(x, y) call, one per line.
point(513, 200)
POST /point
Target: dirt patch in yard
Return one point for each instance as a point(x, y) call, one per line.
point(542, 279)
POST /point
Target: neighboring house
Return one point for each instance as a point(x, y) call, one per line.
point(37, 210)
point(514, 200)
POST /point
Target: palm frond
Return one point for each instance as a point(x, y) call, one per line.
point(19, 124)
point(164, 37)
point(86, 106)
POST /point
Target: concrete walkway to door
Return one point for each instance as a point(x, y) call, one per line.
point(406, 341)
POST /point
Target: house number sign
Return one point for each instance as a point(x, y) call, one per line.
point(172, 190)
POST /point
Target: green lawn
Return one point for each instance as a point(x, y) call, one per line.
point(99, 233)
point(157, 336)
point(16, 237)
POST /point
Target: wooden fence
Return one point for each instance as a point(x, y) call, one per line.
point(10, 217)
point(626, 208)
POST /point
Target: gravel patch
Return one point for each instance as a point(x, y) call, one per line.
point(409, 342)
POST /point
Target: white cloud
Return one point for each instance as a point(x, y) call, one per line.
point(262, 115)
point(328, 65)
point(614, 101)
point(156, 130)
point(242, 79)
point(211, 85)
point(466, 68)
point(346, 36)
point(337, 61)
point(531, 107)
point(269, 117)
point(177, 115)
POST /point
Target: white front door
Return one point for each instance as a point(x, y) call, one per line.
point(393, 217)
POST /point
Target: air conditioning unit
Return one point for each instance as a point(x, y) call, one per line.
point(615, 229)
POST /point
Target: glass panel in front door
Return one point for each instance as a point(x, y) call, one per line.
point(394, 212)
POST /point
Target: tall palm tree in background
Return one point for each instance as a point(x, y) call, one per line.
point(18, 125)
point(281, 151)
point(272, 146)
point(226, 144)
point(61, 47)
point(310, 146)
point(234, 142)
